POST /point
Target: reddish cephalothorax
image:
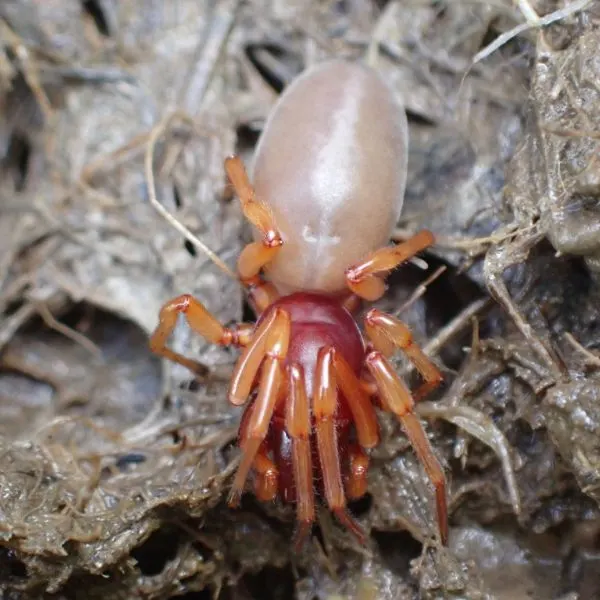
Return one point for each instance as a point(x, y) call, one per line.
point(328, 185)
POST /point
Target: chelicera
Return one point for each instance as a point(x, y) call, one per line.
point(328, 186)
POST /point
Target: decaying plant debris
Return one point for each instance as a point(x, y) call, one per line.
point(114, 466)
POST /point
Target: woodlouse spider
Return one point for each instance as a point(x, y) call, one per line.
point(328, 186)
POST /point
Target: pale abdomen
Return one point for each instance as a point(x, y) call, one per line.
point(331, 163)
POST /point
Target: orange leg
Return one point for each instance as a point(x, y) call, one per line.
point(396, 398)
point(257, 254)
point(324, 407)
point(297, 424)
point(388, 333)
point(363, 413)
point(352, 303)
point(202, 322)
point(248, 364)
point(356, 481)
point(266, 475)
point(368, 386)
point(366, 278)
point(274, 351)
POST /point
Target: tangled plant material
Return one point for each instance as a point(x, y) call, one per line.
point(114, 466)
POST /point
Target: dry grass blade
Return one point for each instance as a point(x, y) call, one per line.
point(452, 329)
point(378, 35)
point(590, 357)
point(532, 22)
point(155, 134)
point(68, 332)
point(28, 67)
point(481, 427)
point(421, 289)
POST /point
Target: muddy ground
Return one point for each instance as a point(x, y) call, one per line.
point(115, 466)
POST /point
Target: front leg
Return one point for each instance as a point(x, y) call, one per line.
point(202, 322)
point(256, 254)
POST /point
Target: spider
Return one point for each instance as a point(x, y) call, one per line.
point(328, 186)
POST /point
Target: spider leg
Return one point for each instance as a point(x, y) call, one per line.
point(297, 424)
point(324, 408)
point(352, 303)
point(273, 348)
point(356, 481)
point(363, 413)
point(246, 368)
point(266, 475)
point(388, 333)
point(365, 279)
point(396, 398)
point(256, 254)
point(202, 322)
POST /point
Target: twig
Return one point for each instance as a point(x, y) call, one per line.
point(592, 358)
point(11, 324)
point(114, 158)
point(127, 152)
point(465, 243)
point(378, 36)
point(528, 11)
point(481, 427)
point(449, 331)
point(538, 22)
point(13, 288)
point(446, 333)
point(575, 133)
point(97, 75)
point(28, 68)
point(197, 81)
point(14, 246)
point(48, 428)
point(68, 332)
point(207, 56)
point(148, 160)
point(421, 289)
